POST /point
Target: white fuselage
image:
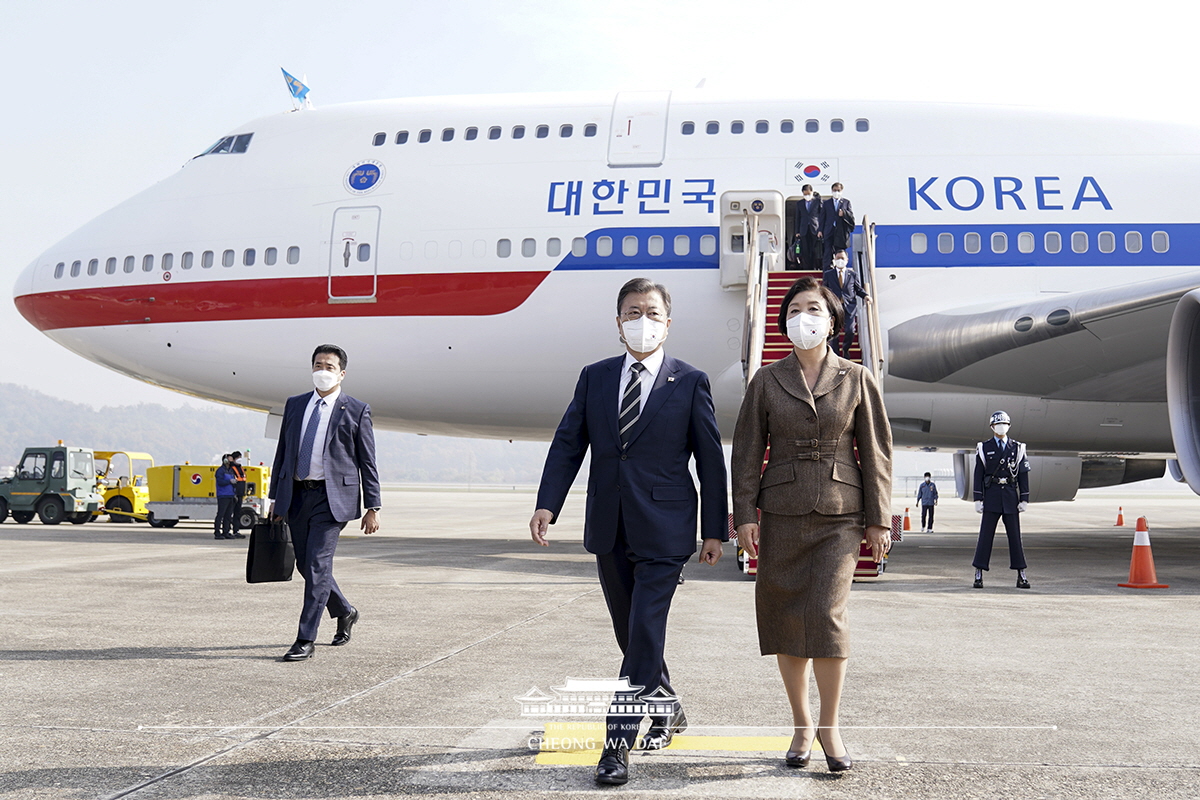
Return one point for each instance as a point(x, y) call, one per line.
point(468, 313)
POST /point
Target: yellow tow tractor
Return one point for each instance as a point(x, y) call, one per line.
point(121, 479)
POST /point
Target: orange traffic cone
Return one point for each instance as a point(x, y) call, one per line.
point(907, 521)
point(1120, 517)
point(1141, 565)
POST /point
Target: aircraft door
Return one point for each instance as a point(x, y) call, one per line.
point(352, 255)
point(752, 230)
point(638, 137)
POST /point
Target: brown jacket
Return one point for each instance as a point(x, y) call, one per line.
point(812, 436)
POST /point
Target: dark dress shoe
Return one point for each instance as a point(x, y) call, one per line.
point(613, 769)
point(301, 651)
point(236, 536)
point(835, 763)
point(344, 625)
point(978, 583)
point(1022, 583)
point(663, 729)
point(797, 758)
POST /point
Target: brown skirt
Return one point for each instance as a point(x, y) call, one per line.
point(805, 569)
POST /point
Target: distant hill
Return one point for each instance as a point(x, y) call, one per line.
point(200, 435)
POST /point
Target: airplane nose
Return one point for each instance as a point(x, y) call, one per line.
point(21, 291)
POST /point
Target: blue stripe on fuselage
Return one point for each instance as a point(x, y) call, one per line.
point(643, 259)
point(894, 247)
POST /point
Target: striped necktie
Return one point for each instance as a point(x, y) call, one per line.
point(304, 459)
point(631, 403)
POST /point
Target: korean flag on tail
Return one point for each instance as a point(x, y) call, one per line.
point(816, 171)
point(296, 87)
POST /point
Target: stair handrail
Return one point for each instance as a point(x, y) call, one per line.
point(873, 351)
point(756, 300)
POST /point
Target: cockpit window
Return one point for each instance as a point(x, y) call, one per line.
point(230, 144)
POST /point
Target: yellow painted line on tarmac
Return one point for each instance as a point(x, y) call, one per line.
point(587, 758)
point(737, 744)
point(580, 743)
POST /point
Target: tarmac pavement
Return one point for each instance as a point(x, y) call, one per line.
point(138, 663)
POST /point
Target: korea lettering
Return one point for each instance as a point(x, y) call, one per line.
point(613, 197)
point(967, 193)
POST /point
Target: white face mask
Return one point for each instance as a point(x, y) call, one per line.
point(643, 335)
point(807, 331)
point(237, 461)
point(837, 195)
point(1000, 429)
point(839, 263)
point(325, 380)
point(929, 480)
point(808, 197)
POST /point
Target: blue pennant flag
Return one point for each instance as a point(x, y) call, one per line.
point(298, 89)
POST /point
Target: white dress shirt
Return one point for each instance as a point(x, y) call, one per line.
point(316, 467)
point(653, 363)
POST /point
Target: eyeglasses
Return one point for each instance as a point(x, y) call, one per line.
point(634, 313)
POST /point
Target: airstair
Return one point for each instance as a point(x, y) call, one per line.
point(765, 289)
point(752, 229)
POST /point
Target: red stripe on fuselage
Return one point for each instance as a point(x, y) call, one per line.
point(445, 294)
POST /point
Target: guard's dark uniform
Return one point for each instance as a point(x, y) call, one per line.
point(1001, 482)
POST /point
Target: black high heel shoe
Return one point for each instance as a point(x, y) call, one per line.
point(798, 758)
point(835, 763)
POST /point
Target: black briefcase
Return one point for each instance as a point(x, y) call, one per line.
point(270, 556)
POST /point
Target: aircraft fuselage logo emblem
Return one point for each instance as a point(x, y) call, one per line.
point(364, 176)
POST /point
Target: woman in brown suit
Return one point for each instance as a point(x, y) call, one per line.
point(818, 500)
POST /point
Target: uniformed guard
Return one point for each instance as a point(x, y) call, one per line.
point(1001, 492)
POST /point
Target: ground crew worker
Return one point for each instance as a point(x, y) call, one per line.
point(1001, 492)
point(239, 490)
point(927, 498)
point(226, 502)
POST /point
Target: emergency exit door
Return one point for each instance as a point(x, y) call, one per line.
point(352, 255)
point(638, 137)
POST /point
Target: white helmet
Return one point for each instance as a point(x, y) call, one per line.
point(999, 418)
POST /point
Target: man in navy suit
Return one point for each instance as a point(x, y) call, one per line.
point(326, 454)
point(842, 279)
point(837, 223)
point(808, 225)
point(644, 415)
point(1001, 492)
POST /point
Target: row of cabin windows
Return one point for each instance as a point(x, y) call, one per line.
point(604, 246)
point(655, 245)
point(630, 246)
point(494, 132)
point(1106, 242)
point(567, 131)
point(187, 260)
point(785, 126)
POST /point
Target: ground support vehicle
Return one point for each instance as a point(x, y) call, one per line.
point(54, 483)
point(121, 478)
point(188, 491)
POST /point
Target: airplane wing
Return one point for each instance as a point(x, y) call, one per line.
point(1106, 345)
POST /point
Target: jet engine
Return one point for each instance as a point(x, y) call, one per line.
point(1183, 386)
point(1053, 478)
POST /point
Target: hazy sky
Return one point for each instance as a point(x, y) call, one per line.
point(104, 99)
